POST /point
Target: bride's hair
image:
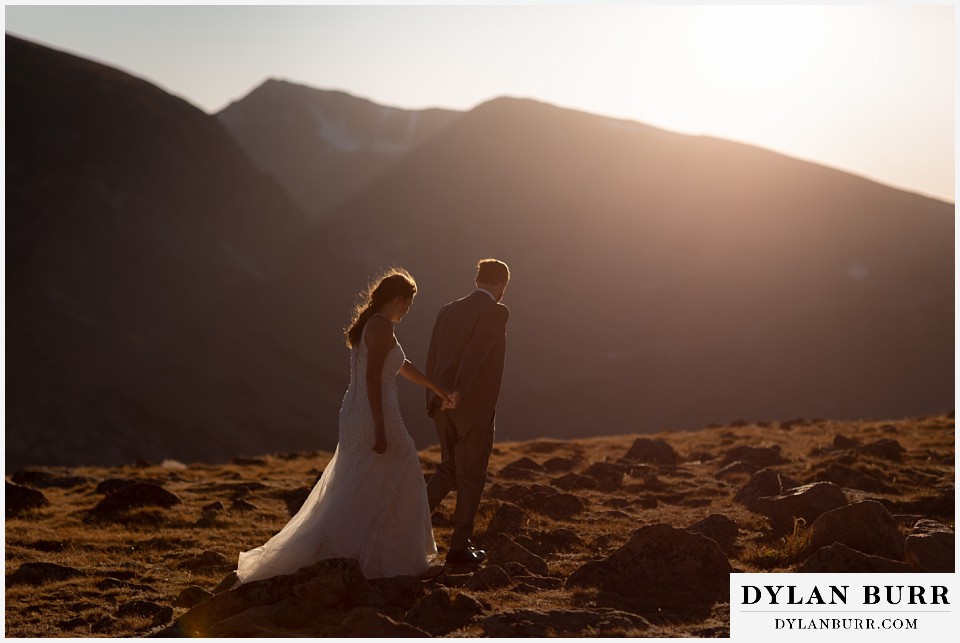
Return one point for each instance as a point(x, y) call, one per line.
point(395, 282)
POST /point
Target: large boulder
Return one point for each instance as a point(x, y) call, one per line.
point(661, 572)
point(567, 623)
point(806, 503)
point(840, 559)
point(866, 526)
point(930, 547)
point(652, 451)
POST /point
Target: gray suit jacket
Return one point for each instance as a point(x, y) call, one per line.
point(467, 350)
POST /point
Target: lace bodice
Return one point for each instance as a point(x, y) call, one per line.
point(356, 418)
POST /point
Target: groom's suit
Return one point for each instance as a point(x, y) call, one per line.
point(466, 355)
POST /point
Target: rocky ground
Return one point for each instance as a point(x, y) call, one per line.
point(624, 535)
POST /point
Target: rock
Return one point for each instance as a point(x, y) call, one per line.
point(46, 479)
point(838, 558)
point(763, 483)
point(110, 485)
point(560, 506)
point(314, 597)
point(844, 476)
point(608, 476)
point(242, 505)
point(760, 456)
point(737, 468)
point(489, 577)
point(73, 624)
point(719, 528)
point(205, 559)
point(368, 623)
point(843, 442)
point(504, 550)
point(555, 465)
point(146, 609)
point(930, 547)
point(103, 625)
point(652, 451)
point(522, 469)
point(526, 463)
point(941, 504)
point(214, 507)
point(865, 526)
point(508, 518)
point(807, 503)
point(662, 571)
point(19, 500)
point(400, 592)
point(191, 596)
point(567, 623)
point(515, 493)
point(41, 574)
point(139, 494)
point(49, 546)
point(574, 481)
point(886, 449)
point(443, 611)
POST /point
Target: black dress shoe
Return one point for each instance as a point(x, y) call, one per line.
point(468, 556)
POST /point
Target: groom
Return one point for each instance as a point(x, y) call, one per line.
point(466, 356)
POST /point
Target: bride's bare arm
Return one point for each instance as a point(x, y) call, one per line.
point(379, 340)
point(412, 373)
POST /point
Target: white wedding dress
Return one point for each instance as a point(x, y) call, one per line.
point(368, 506)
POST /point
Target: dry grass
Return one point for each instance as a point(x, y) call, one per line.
point(145, 552)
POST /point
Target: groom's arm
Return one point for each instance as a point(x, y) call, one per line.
point(490, 329)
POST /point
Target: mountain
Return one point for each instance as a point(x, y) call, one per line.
point(167, 298)
point(142, 257)
point(323, 146)
point(661, 280)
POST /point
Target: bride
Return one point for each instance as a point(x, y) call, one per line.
point(371, 502)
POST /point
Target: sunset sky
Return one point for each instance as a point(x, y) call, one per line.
point(864, 88)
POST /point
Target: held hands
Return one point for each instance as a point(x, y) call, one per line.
point(451, 401)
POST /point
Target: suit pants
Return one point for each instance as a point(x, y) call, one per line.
point(465, 452)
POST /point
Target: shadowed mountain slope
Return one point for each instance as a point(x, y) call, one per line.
point(665, 280)
point(141, 260)
point(322, 146)
point(167, 299)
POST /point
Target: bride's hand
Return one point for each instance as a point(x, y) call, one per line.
point(452, 401)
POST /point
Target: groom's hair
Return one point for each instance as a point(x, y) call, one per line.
point(492, 271)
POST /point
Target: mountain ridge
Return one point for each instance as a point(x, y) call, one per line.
point(661, 280)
